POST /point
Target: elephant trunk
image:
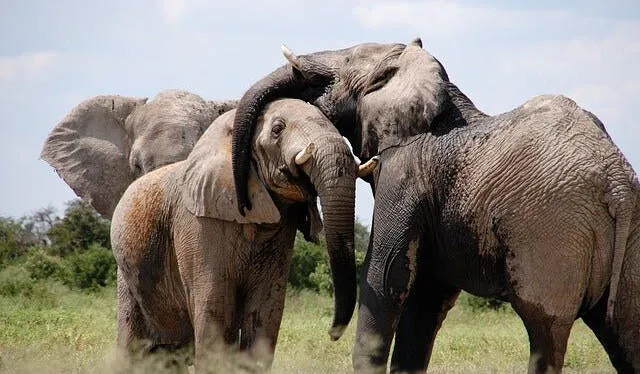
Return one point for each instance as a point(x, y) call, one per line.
point(334, 180)
point(286, 81)
point(281, 83)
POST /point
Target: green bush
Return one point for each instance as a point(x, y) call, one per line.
point(321, 278)
point(91, 269)
point(306, 257)
point(15, 280)
point(480, 304)
point(80, 228)
point(13, 241)
point(42, 265)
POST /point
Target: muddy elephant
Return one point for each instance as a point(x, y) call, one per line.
point(106, 142)
point(191, 269)
point(535, 206)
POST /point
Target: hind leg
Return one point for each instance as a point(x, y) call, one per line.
point(137, 341)
point(133, 335)
point(621, 336)
point(548, 336)
point(607, 334)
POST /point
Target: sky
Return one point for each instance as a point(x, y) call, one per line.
point(55, 54)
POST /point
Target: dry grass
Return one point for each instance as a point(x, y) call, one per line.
point(67, 332)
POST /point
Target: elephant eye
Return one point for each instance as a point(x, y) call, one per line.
point(277, 127)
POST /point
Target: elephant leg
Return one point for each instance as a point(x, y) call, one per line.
point(386, 284)
point(548, 337)
point(620, 336)
point(424, 311)
point(215, 324)
point(133, 335)
point(261, 321)
point(136, 339)
point(607, 334)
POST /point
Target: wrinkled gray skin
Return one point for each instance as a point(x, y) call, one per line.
point(191, 269)
point(106, 142)
point(536, 206)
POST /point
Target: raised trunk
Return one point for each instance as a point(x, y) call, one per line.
point(335, 185)
point(284, 82)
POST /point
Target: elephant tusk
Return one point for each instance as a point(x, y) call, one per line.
point(291, 57)
point(368, 167)
point(303, 156)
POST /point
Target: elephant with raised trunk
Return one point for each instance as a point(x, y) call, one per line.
point(536, 206)
point(191, 269)
point(108, 141)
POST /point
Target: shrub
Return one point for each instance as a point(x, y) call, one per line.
point(480, 304)
point(13, 241)
point(321, 278)
point(91, 269)
point(42, 265)
point(15, 280)
point(78, 230)
point(306, 257)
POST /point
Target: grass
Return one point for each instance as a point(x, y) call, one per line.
point(60, 331)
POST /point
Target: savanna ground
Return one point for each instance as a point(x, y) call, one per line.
point(56, 330)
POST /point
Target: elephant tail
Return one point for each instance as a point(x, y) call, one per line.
point(623, 210)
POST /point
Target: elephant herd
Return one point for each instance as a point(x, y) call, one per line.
point(535, 206)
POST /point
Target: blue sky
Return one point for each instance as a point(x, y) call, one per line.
point(54, 54)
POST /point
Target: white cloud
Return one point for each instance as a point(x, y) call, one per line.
point(445, 18)
point(16, 66)
point(589, 58)
point(173, 11)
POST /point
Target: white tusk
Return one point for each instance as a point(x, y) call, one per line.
point(290, 56)
point(303, 156)
point(368, 167)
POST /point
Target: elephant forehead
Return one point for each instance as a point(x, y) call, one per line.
point(291, 108)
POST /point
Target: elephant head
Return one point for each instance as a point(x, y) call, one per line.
point(106, 142)
point(296, 156)
point(375, 94)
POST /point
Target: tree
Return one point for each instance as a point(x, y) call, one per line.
point(39, 224)
point(81, 227)
point(14, 240)
point(361, 231)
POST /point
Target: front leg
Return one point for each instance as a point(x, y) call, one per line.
point(389, 273)
point(422, 315)
point(215, 323)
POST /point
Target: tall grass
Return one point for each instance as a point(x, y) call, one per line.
point(55, 330)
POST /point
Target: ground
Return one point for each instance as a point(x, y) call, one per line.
point(62, 331)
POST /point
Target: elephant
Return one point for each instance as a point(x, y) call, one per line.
point(106, 142)
point(536, 206)
point(192, 270)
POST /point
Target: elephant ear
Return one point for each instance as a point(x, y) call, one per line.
point(402, 98)
point(89, 149)
point(208, 189)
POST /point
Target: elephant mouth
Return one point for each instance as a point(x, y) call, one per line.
point(292, 188)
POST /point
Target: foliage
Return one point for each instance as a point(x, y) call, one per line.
point(41, 265)
point(14, 241)
point(361, 236)
point(91, 269)
point(15, 280)
point(39, 223)
point(480, 304)
point(81, 227)
point(310, 266)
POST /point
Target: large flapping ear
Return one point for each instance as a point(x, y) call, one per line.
point(208, 189)
point(410, 95)
point(89, 149)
